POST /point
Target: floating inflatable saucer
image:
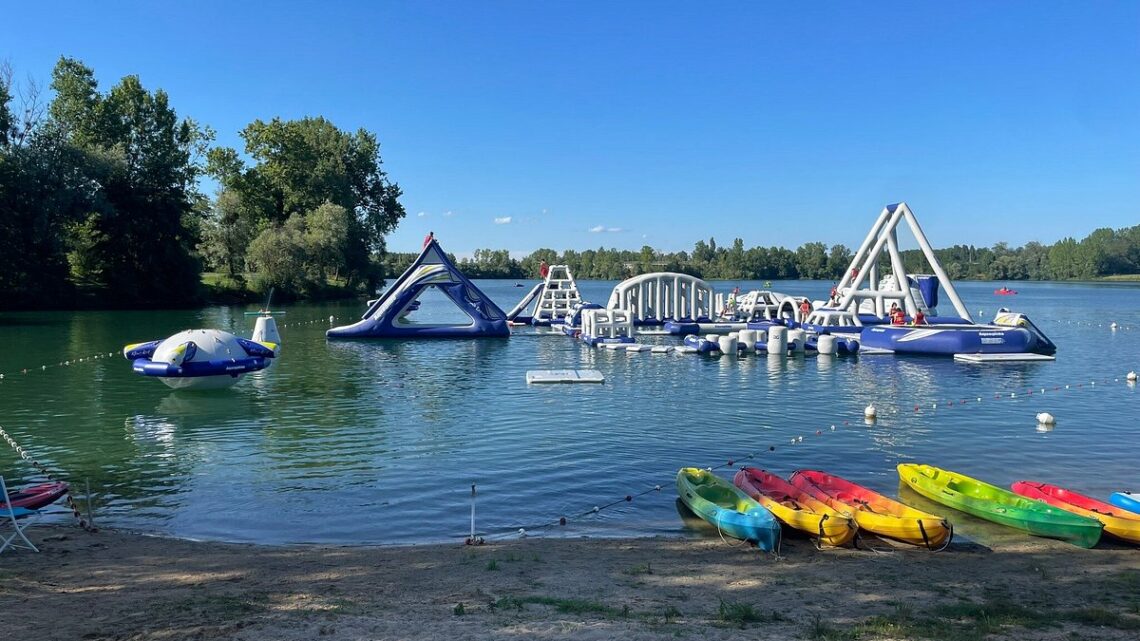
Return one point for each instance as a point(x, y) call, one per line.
point(200, 358)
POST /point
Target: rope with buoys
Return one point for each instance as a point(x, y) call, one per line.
point(83, 523)
point(562, 521)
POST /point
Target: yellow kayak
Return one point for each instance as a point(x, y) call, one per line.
point(795, 508)
point(873, 511)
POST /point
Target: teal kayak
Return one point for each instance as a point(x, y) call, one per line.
point(1000, 506)
point(723, 505)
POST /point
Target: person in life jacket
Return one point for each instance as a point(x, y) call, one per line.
point(430, 237)
point(805, 309)
point(834, 300)
point(543, 270)
point(897, 316)
point(919, 318)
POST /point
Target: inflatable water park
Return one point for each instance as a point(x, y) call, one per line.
point(876, 308)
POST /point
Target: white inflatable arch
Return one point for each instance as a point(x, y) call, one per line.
point(665, 296)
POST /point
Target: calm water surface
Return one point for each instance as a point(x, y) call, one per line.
point(379, 442)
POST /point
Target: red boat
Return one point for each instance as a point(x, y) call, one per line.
point(1005, 291)
point(34, 497)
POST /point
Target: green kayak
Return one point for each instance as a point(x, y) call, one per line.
point(1000, 506)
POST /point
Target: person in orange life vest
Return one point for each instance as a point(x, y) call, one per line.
point(543, 270)
point(897, 317)
point(919, 318)
point(430, 237)
point(805, 309)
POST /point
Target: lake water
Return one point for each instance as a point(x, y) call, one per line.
point(378, 442)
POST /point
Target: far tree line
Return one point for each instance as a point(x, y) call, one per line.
point(100, 205)
point(1105, 252)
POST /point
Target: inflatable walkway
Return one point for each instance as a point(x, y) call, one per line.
point(385, 318)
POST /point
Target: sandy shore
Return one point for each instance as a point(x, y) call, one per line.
point(114, 585)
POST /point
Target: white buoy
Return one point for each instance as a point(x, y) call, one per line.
point(826, 345)
point(1131, 377)
point(332, 319)
point(778, 340)
point(869, 411)
point(1112, 326)
point(797, 338)
point(748, 338)
point(1045, 418)
point(727, 345)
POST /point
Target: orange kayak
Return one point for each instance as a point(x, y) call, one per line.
point(1117, 521)
point(875, 512)
point(794, 507)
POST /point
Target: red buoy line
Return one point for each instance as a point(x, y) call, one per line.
point(795, 440)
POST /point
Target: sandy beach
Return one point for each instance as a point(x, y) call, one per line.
point(125, 586)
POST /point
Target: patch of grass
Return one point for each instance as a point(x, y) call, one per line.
point(218, 606)
point(993, 614)
point(565, 606)
point(1102, 618)
point(741, 614)
point(492, 565)
point(638, 570)
point(671, 614)
point(820, 630)
point(459, 609)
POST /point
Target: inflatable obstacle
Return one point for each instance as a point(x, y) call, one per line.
point(387, 317)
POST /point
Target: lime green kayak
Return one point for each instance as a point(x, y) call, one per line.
point(1000, 506)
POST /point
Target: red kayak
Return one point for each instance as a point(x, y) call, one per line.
point(34, 497)
point(1004, 291)
point(1117, 521)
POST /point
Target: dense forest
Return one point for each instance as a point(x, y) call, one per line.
point(100, 205)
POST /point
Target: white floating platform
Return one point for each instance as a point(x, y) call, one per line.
point(1001, 358)
point(661, 349)
point(564, 376)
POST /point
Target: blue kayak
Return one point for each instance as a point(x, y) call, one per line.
point(1126, 500)
point(723, 505)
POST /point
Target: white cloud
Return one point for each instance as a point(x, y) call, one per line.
point(422, 214)
point(448, 214)
point(602, 228)
point(503, 220)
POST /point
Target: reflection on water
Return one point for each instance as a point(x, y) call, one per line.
point(379, 441)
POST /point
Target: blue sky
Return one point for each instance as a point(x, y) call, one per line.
point(575, 125)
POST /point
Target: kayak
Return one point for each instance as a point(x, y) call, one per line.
point(873, 511)
point(1126, 500)
point(1000, 506)
point(34, 497)
point(730, 510)
point(1117, 521)
point(795, 508)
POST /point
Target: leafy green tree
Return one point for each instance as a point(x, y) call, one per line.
point(279, 259)
point(142, 166)
point(301, 164)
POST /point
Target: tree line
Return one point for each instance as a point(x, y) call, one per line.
point(100, 205)
point(1105, 252)
point(100, 200)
